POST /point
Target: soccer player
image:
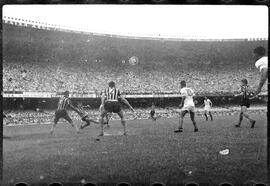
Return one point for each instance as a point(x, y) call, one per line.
point(207, 108)
point(61, 112)
point(244, 103)
point(110, 104)
point(84, 116)
point(262, 64)
point(187, 105)
point(152, 113)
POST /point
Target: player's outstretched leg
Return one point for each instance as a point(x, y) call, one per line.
point(180, 127)
point(192, 117)
point(101, 121)
point(246, 115)
point(93, 121)
point(86, 124)
point(106, 121)
point(123, 122)
point(57, 116)
point(205, 114)
point(211, 116)
point(74, 125)
point(66, 117)
point(240, 119)
point(54, 125)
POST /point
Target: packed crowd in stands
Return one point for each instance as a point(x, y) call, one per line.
point(81, 78)
point(49, 61)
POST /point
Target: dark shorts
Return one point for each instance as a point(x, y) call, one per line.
point(152, 113)
point(62, 114)
point(245, 102)
point(85, 118)
point(112, 107)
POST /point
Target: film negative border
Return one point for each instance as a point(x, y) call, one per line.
point(191, 183)
point(199, 2)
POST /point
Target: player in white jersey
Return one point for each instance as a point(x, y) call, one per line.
point(187, 105)
point(207, 108)
point(262, 64)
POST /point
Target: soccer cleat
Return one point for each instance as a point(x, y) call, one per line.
point(196, 130)
point(253, 123)
point(178, 130)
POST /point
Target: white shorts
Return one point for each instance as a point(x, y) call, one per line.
point(189, 108)
point(207, 109)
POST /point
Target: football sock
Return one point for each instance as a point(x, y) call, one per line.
point(240, 118)
point(211, 116)
point(206, 116)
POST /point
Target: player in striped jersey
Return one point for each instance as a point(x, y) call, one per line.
point(61, 112)
point(187, 105)
point(84, 116)
point(244, 103)
point(262, 64)
point(110, 103)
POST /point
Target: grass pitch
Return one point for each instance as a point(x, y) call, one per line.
point(151, 152)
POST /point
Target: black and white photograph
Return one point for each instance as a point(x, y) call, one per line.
point(135, 94)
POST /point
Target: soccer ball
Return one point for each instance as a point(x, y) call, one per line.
point(133, 60)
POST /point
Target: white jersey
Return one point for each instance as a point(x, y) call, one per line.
point(188, 93)
point(262, 63)
point(207, 104)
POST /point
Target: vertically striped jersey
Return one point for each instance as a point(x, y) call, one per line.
point(63, 103)
point(112, 94)
point(246, 91)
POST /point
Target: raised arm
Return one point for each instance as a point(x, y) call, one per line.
point(264, 76)
point(126, 102)
point(103, 97)
point(72, 106)
point(182, 101)
point(211, 103)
